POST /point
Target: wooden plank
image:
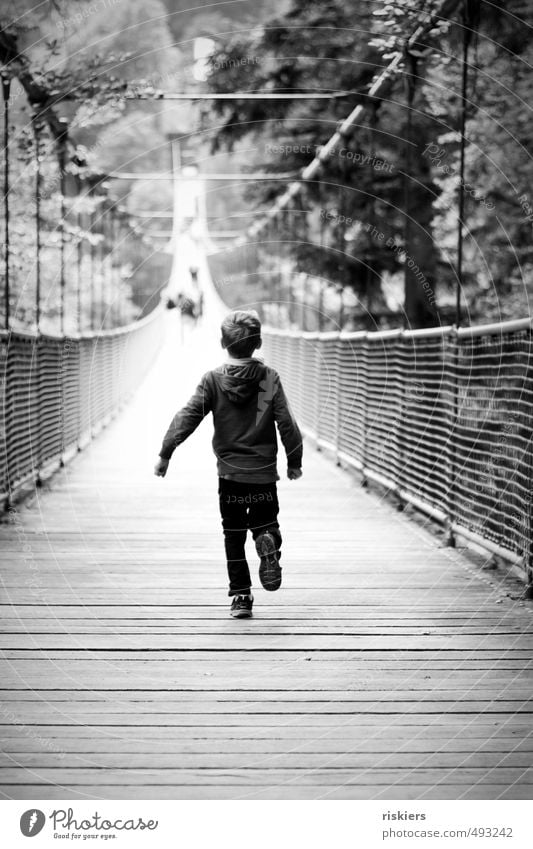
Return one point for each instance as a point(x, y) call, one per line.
point(154, 691)
point(281, 617)
point(260, 660)
point(179, 611)
point(269, 703)
point(152, 682)
point(297, 695)
point(262, 627)
point(198, 642)
point(243, 791)
point(242, 758)
point(169, 714)
point(473, 729)
point(326, 776)
point(324, 723)
point(496, 747)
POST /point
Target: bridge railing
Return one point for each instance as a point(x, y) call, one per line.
point(58, 391)
point(441, 417)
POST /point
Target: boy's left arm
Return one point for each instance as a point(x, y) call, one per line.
point(288, 430)
point(184, 423)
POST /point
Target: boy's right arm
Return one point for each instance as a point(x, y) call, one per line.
point(161, 467)
point(185, 422)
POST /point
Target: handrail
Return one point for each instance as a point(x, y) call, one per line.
point(498, 327)
point(59, 391)
point(491, 329)
point(86, 334)
point(442, 417)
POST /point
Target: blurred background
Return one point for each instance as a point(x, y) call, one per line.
point(122, 134)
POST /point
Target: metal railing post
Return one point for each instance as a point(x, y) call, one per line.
point(37, 350)
point(528, 523)
point(102, 270)
point(450, 505)
point(403, 398)
point(364, 424)
point(338, 395)
point(280, 232)
point(528, 564)
point(321, 277)
point(116, 294)
point(102, 259)
point(79, 270)
point(90, 222)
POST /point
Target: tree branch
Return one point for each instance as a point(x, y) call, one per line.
point(18, 65)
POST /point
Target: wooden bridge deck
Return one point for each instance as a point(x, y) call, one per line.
point(386, 667)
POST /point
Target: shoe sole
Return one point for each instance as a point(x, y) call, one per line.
point(241, 614)
point(269, 568)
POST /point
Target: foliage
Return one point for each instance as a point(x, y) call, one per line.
point(387, 196)
point(72, 63)
point(315, 45)
point(499, 164)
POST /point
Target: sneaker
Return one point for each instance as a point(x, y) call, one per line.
point(241, 606)
point(269, 568)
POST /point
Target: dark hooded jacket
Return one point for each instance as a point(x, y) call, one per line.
point(247, 402)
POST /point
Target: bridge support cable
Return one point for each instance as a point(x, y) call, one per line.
point(75, 228)
point(6, 87)
point(62, 161)
point(38, 245)
point(410, 86)
point(470, 20)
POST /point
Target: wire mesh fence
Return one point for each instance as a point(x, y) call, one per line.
point(441, 417)
point(58, 391)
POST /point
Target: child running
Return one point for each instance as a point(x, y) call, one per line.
point(247, 401)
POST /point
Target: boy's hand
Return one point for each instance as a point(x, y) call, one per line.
point(161, 467)
point(294, 474)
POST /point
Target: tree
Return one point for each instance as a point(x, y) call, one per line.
point(315, 46)
point(72, 64)
point(499, 163)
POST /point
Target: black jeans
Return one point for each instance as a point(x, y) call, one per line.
point(244, 506)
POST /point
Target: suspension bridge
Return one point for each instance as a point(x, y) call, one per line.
point(395, 661)
point(389, 665)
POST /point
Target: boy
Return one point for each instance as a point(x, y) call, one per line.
point(247, 401)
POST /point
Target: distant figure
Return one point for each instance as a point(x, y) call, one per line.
point(247, 401)
point(199, 306)
point(199, 295)
point(186, 305)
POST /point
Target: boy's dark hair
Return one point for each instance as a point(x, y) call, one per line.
point(241, 333)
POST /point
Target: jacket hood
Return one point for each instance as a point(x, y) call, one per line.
point(240, 382)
